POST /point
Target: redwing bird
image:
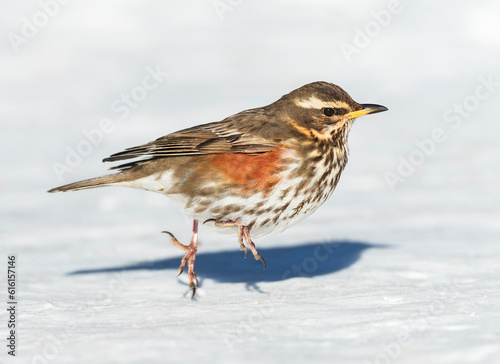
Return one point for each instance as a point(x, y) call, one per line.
point(258, 171)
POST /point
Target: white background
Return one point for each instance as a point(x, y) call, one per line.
point(406, 273)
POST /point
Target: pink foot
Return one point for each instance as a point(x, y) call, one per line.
point(190, 256)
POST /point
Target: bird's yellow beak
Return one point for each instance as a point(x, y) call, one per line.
point(367, 109)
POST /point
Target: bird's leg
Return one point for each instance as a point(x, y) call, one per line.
point(246, 234)
point(190, 256)
point(243, 232)
point(240, 231)
point(240, 240)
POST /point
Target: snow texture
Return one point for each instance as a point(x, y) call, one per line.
point(401, 265)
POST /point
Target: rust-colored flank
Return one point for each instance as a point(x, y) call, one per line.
point(252, 172)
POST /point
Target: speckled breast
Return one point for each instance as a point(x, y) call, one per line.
point(267, 192)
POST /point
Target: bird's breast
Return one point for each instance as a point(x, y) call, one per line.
point(272, 191)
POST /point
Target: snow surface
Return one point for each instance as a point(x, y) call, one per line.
point(408, 274)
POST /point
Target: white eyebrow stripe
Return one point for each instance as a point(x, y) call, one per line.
point(311, 103)
point(315, 103)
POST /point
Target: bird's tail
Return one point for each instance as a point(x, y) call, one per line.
point(103, 181)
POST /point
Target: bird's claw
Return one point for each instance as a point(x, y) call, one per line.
point(189, 259)
point(259, 257)
point(169, 233)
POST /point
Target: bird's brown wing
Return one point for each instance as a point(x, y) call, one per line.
point(226, 136)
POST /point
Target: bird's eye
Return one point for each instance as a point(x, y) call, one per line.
point(328, 111)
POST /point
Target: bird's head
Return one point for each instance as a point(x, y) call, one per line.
point(321, 110)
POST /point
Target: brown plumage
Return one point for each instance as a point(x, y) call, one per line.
point(260, 170)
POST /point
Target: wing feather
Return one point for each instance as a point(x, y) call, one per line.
point(227, 136)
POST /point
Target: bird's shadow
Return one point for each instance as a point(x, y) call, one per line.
point(307, 260)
